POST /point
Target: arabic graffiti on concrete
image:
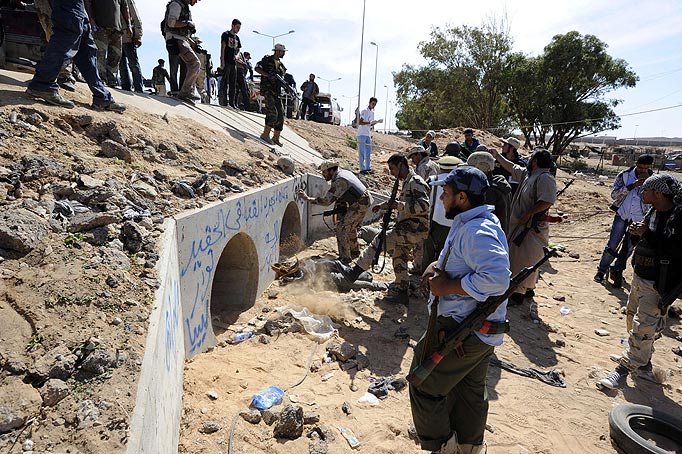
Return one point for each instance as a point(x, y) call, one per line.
point(205, 250)
point(172, 321)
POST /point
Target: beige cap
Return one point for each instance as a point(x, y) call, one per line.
point(431, 133)
point(449, 162)
point(326, 165)
point(513, 141)
point(279, 47)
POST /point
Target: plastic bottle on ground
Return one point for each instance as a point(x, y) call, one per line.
point(266, 399)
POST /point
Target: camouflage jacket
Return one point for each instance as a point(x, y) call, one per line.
point(413, 202)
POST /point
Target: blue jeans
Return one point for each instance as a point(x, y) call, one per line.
point(364, 151)
point(71, 40)
point(129, 58)
point(611, 251)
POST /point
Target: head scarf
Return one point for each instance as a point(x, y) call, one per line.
point(664, 184)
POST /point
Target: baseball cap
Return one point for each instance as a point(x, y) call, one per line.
point(466, 178)
point(279, 47)
point(431, 133)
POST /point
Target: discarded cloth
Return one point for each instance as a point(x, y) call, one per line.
point(553, 377)
point(382, 386)
point(319, 326)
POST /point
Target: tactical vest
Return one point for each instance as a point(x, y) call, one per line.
point(185, 16)
point(355, 187)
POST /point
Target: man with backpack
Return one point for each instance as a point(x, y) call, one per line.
point(178, 27)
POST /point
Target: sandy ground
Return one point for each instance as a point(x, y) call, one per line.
point(526, 415)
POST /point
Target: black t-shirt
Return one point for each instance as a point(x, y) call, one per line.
point(232, 46)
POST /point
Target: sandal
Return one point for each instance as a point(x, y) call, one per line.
point(677, 351)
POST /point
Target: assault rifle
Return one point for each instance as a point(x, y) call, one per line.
point(476, 321)
point(281, 83)
point(669, 298)
point(381, 241)
point(338, 210)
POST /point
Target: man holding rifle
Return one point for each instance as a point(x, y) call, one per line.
point(450, 404)
point(657, 277)
point(351, 201)
point(411, 228)
point(528, 228)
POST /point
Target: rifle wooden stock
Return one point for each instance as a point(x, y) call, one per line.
point(471, 323)
point(386, 219)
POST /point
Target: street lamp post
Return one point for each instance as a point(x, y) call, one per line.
point(350, 108)
point(273, 37)
point(376, 67)
point(388, 120)
point(386, 111)
point(362, 44)
point(329, 83)
point(635, 135)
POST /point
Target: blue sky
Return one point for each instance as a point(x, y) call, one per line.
point(646, 33)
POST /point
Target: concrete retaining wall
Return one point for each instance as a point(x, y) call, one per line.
point(155, 424)
point(214, 263)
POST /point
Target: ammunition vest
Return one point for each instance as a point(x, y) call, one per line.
point(355, 187)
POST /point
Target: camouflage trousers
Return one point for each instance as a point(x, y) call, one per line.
point(647, 321)
point(274, 111)
point(347, 228)
point(109, 49)
point(400, 239)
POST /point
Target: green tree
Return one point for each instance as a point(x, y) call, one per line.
point(561, 94)
point(463, 83)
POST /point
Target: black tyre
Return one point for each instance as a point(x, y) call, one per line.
point(629, 420)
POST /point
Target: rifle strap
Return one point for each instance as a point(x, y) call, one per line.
point(433, 316)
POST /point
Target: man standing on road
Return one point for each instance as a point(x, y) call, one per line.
point(528, 229)
point(269, 68)
point(242, 87)
point(132, 39)
point(230, 45)
point(159, 77)
point(410, 228)
point(365, 124)
point(310, 91)
point(108, 19)
point(657, 264)
point(439, 224)
point(346, 192)
point(179, 27)
point(71, 40)
point(450, 407)
point(627, 202)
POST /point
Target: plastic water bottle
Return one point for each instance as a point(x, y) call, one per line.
point(241, 337)
point(266, 399)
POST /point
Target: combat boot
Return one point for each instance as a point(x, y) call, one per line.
point(397, 296)
point(275, 139)
point(50, 97)
point(449, 447)
point(617, 277)
point(266, 134)
point(351, 274)
point(472, 449)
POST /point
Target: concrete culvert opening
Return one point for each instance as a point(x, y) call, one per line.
point(290, 232)
point(235, 282)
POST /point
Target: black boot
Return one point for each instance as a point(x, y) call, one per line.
point(617, 277)
point(349, 273)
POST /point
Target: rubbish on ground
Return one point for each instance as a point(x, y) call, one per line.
point(241, 337)
point(553, 377)
point(350, 437)
point(382, 386)
point(327, 376)
point(369, 398)
point(565, 310)
point(601, 332)
point(624, 341)
point(306, 398)
point(319, 326)
point(266, 399)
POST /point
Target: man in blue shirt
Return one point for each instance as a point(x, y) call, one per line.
point(450, 407)
point(629, 208)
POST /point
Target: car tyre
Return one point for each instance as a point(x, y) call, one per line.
point(624, 419)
